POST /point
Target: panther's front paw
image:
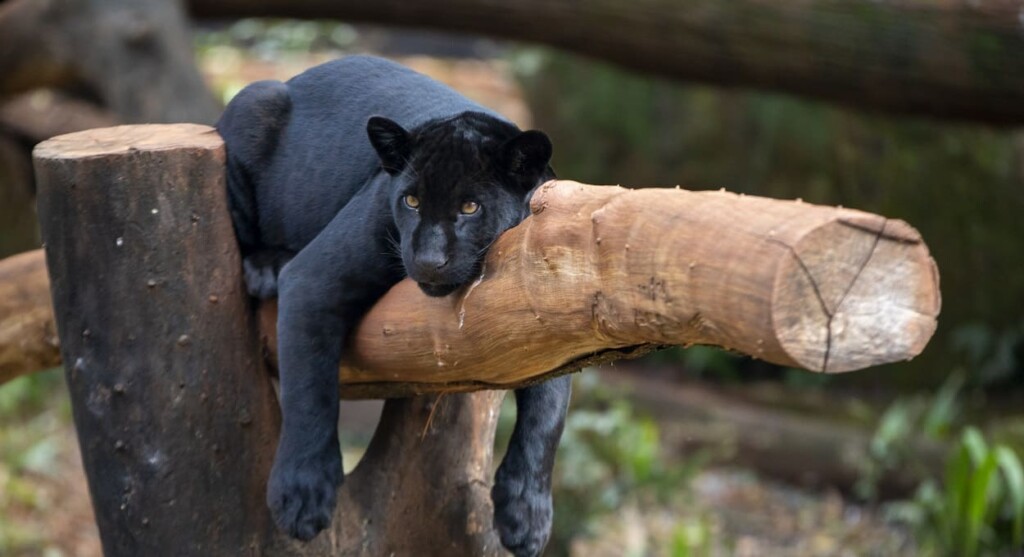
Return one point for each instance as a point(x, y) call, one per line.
point(302, 497)
point(522, 512)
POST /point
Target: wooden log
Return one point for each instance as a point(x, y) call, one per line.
point(952, 59)
point(28, 335)
point(601, 272)
point(820, 453)
point(598, 268)
point(424, 485)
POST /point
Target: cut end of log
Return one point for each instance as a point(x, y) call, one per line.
point(877, 294)
point(124, 139)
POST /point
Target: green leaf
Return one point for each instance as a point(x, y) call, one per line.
point(978, 503)
point(1013, 472)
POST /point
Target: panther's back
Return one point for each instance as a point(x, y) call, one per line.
point(298, 151)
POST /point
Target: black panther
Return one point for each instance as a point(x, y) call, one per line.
point(342, 181)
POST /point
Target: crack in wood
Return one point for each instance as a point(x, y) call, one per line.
point(824, 308)
point(830, 315)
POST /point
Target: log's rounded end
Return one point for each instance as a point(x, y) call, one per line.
point(856, 292)
point(130, 138)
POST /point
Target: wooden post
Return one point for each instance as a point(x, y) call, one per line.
point(175, 420)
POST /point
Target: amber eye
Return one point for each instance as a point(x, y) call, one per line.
point(412, 202)
point(470, 207)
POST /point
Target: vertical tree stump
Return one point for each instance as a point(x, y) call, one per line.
point(176, 415)
point(176, 424)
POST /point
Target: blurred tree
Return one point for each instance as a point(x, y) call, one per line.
point(76, 64)
point(956, 58)
point(131, 57)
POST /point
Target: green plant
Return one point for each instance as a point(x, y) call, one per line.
point(33, 411)
point(907, 418)
point(979, 508)
point(692, 538)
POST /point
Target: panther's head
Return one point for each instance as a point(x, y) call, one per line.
point(458, 184)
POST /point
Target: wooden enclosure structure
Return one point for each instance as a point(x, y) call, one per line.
point(172, 397)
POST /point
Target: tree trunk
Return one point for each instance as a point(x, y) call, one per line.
point(954, 59)
point(174, 422)
point(424, 485)
point(175, 413)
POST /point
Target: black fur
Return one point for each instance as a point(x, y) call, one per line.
point(342, 181)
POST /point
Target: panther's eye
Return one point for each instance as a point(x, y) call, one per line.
point(470, 207)
point(412, 202)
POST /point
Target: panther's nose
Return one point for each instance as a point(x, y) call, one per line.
point(431, 260)
point(429, 264)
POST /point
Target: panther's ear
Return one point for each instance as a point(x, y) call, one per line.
point(527, 154)
point(391, 142)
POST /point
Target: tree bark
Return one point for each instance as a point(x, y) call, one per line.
point(175, 413)
point(953, 59)
point(424, 485)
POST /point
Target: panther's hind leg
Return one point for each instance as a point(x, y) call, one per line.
point(261, 270)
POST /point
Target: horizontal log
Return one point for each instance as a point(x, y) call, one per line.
point(826, 452)
point(952, 59)
point(600, 268)
point(602, 272)
point(28, 336)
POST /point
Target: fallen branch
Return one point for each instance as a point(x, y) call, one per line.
point(823, 452)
